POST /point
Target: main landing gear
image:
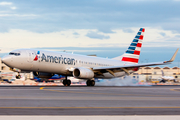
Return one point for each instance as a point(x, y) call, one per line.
point(66, 82)
point(90, 82)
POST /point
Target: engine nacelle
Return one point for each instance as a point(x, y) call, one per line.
point(83, 73)
point(42, 75)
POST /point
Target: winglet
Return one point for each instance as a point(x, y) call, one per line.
point(173, 57)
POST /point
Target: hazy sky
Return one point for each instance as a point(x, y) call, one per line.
point(92, 25)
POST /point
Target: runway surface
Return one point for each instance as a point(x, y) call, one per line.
point(82, 100)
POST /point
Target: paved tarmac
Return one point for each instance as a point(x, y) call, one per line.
point(82, 100)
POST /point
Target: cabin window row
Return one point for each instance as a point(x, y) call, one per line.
point(91, 63)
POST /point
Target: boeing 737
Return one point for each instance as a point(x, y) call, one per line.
point(44, 64)
point(167, 78)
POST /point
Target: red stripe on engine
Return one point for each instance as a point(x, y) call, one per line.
point(130, 59)
point(139, 45)
point(141, 37)
point(137, 52)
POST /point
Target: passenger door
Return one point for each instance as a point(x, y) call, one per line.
point(31, 56)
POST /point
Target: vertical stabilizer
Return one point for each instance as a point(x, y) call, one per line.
point(133, 52)
point(162, 73)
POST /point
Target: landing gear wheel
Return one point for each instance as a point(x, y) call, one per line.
point(66, 82)
point(90, 82)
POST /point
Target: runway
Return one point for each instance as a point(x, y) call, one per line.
point(82, 100)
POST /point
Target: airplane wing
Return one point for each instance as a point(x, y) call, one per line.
point(124, 67)
point(130, 66)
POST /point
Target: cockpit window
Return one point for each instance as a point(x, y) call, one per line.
point(12, 53)
point(17, 54)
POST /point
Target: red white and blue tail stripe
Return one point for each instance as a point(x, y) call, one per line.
point(133, 52)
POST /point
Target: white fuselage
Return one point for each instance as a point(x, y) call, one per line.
point(59, 62)
point(168, 78)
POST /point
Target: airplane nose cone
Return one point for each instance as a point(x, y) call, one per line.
point(6, 59)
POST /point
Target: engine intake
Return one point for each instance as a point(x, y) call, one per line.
point(42, 75)
point(83, 73)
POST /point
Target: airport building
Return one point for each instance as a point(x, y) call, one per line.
point(147, 74)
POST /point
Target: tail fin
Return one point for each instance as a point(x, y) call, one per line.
point(133, 52)
point(162, 72)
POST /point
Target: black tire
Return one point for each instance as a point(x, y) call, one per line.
point(88, 82)
point(65, 82)
point(92, 82)
point(68, 82)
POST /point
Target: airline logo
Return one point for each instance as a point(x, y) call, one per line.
point(133, 52)
point(37, 56)
point(58, 59)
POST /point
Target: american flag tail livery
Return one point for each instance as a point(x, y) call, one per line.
point(133, 52)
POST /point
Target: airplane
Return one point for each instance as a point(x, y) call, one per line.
point(167, 78)
point(44, 64)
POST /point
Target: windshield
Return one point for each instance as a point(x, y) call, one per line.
point(12, 53)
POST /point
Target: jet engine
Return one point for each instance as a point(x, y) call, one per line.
point(83, 73)
point(42, 75)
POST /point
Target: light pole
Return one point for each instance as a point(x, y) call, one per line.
point(147, 71)
point(178, 67)
point(141, 68)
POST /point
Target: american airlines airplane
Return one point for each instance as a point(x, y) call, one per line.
point(44, 64)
